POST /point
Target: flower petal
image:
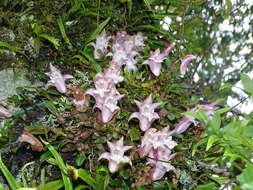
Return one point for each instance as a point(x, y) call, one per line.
point(184, 65)
point(183, 125)
point(113, 166)
point(67, 77)
point(144, 124)
point(134, 115)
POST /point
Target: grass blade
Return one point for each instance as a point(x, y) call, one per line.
point(62, 30)
point(11, 47)
point(66, 178)
point(11, 180)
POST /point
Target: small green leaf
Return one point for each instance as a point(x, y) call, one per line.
point(102, 178)
point(7, 174)
point(83, 174)
point(82, 187)
point(80, 159)
point(45, 156)
point(148, 4)
point(211, 140)
point(62, 30)
point(94, 64)
point(215, 122)
point(1, 187)
point(247, 83)
point(37, 45)
point(98, 30)
point(229, 5)
point(226, 85)
point(194, 149)
point(129, 6)
point(11, 47)
point(223, 110)
point(139, 187)
point(51, 107)
point(207, 186)
point(76, 6)
point(52, 185)
point(202, 114)
point(53, 40)
point(246, 178)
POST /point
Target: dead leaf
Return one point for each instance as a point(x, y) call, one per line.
point(27, 137)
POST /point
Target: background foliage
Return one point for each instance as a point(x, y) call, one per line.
point(218, 32)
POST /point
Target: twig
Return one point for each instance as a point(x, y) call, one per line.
point(203, 57)
point(243, 100)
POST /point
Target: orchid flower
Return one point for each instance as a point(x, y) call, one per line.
point(121, 56)
point(125, 49)
point(139, 39)
point(103, 84)
point(187, 120)
point(80, 100)
point(157, 146)
point(57, 79)
point(146, 114)
point(109, 106)
point(162, 165)
point(156, 59)
point(113, 72)
point(154, 140)
point(116, 155)
point(100, 45)
point(106, 96)
point(185, 62)
point(5, 112)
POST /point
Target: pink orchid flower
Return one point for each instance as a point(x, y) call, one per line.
point(185, 62)
point(101, 44)
point(116, 155)
point(103, 84)
point(5, 112)
point(109, 106)
point(125, 49)
point(156, 59)
point(139, 39)
point(57, 79)
point(154, 140)
point(121, 56)
point(187, 120)
point(146, 114)
point(161, 165)
point(113, 72)
point(106, 96)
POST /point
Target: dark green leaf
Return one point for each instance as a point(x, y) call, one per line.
point(98, 30)
point(7, 174)
point(11, 47)
point(62, 30)
point(51, 107)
